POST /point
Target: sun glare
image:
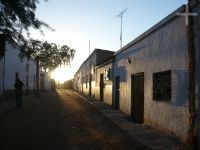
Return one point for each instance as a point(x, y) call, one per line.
point(61, 74)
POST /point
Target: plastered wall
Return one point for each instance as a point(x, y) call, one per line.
point(163, 49)
point(25, 67)
point(107, 90)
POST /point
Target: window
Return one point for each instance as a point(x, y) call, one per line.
point(107, 73)
point(162, 86)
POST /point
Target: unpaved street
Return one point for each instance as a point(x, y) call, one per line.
point(60, 121)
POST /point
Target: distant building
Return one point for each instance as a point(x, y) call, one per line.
point(45, 81)
point(84, 79)
point(103, 79)
point(12, 63)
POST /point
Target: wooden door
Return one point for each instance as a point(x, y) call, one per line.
point(101, 84)
point(137, 97)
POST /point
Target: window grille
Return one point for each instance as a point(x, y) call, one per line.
point(162, 86)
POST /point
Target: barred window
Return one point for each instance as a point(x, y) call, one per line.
point(162, 86)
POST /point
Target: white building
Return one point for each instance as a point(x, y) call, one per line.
point(153, 75)
point(10, 64)
point(45, 81)
point(156, 77)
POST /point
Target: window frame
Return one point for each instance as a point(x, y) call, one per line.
point(164, 80)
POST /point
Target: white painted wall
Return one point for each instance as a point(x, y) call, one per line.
point(13, 64)
point(47, 81)
point(162, 49)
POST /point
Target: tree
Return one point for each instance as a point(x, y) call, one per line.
point(50, 55)
point(17, 17)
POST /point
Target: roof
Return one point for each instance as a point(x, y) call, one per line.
point(95, 50)
point(164, 21)
point(105, 62)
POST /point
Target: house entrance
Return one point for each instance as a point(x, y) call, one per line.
point(117, 92)
point(137, 97)
point(90, 85)
point(101, 84)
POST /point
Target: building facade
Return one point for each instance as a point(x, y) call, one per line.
point(84, 79)
point(103, 81)
point(45, 81)
point(151, 76)
point(12, 63)
point(155, 79)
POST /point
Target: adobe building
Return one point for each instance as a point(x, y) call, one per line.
point(155, 79)
point(153, 75)
point(11, 64)
point(84, 78)
point(103, 79)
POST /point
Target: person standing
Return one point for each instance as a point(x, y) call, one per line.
point(18, 91)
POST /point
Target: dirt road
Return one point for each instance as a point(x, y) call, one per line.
point(60, 121)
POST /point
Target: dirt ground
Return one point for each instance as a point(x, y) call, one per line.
point(61, 121)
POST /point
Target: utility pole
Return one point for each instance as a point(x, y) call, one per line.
point(90, 71)
point(192, 104)
point(121, 16)
point(192, 137)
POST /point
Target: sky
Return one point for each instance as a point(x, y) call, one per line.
point(76, 22)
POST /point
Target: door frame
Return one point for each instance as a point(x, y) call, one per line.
point(101, 87)
point(137, 107)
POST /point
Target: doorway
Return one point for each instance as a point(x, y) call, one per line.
point(101, 84)
point(137, 97)
point(117, 92)
point(90, 84)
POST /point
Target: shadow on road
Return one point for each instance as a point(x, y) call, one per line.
point(60, 120)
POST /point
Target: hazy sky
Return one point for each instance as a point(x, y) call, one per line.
point(78, 21)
